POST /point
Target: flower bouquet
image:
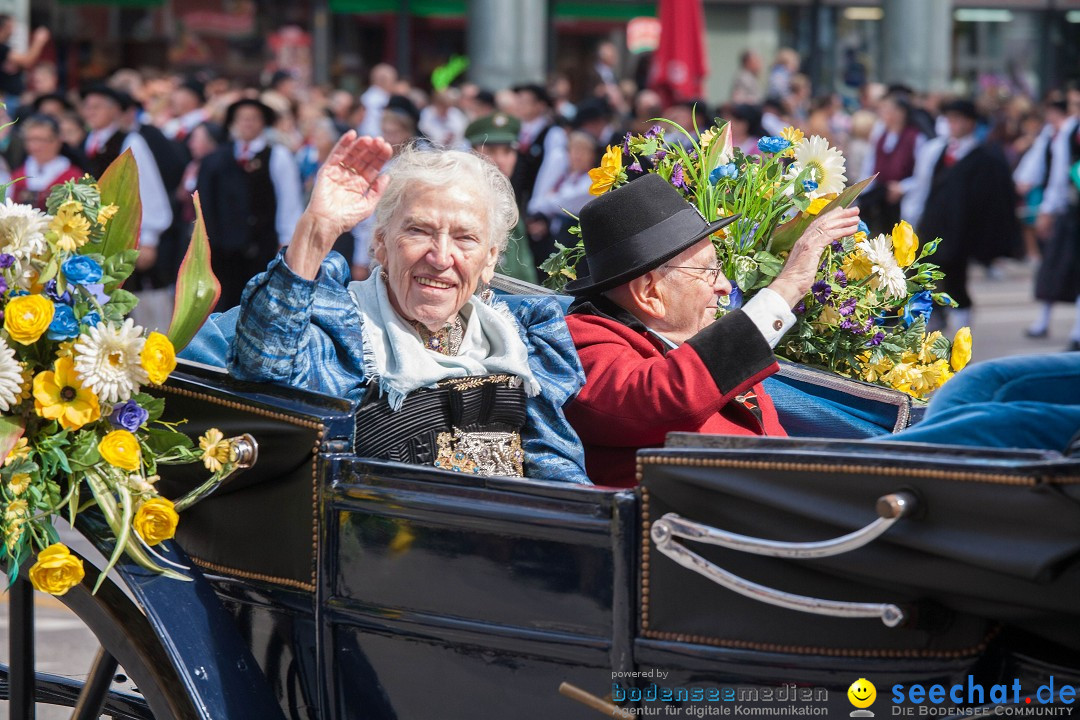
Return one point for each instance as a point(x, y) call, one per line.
point(77, 428)
point(865, 316)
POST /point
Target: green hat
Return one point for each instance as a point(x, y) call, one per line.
point(495, 129)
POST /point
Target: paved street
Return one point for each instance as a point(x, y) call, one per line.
point(1004, 309)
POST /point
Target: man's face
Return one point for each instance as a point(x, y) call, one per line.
point(690, 295)
point(529, 106)
point(960, 126)
point(504, 156)
point(247, 123)
point(99, 112)
point(41, 143)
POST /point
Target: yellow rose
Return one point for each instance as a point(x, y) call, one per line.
point(961, 349)
point(121, 449)
point(56, 570)
point(27, 317)
point(905, 243)
point(158, 357)
point(156, 520)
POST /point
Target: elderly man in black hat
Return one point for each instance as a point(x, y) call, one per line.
point(103, 110)
point(962, 192)
point(251, 198)
point(644, 323)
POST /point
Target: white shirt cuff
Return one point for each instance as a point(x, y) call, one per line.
point(771, 314)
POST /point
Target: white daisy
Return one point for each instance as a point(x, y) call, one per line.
point(11, 377)
point(107, 360)
point(826, 165)
point(22, 230)
point(887, 273)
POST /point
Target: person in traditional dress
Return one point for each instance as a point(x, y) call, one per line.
point(45, 166)
point(417, 335)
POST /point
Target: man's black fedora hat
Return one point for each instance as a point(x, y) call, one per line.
point(634, 229)
point(268, 114)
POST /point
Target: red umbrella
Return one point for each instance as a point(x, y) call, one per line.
point(679, 67)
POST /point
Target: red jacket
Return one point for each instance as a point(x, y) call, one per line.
point(637, 390)
point(21, 194)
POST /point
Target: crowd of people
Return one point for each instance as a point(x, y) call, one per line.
point(253, 154)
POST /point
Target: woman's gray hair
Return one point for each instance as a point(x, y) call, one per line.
point(416, 166)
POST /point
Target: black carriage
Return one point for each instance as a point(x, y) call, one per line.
point(741, 573)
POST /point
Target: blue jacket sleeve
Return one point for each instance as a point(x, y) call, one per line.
point(553, 450)
point(298, 332)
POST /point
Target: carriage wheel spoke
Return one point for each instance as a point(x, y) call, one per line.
point(21, 649)
point(96, 690)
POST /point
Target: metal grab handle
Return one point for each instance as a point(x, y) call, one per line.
point(890, 508)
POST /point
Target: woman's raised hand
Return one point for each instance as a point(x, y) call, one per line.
point(346, 191)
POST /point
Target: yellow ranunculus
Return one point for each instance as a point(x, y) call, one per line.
point(106, 213)
point(58, 395)
point(905, 243)
point(818, 204)
point(156, 520)
point(120, 448)
point(961, 349)
point(608, 173)
point(27, 317)
point(56, 570)
point(71, 226)
point(158, 358)
point(216, 450)
point(857, 266)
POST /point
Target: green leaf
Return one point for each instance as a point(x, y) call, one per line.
point(197, 289)
point(119, 186)
point(11, 429)
point(117, 268)
point(121, 302)
point(83, 453)
point(149, 403)
point(160, 441)
point(941, 348)
point(785, 236)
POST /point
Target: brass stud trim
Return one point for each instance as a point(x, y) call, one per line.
point(223, 570)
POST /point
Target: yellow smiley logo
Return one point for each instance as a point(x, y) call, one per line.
point(862, 693)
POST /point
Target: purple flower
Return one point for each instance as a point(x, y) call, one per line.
point(677, 177)
point(852, 326)
point(800, 309)
point(6, 260)
point(841, 278)
point(635, 167)
point(876, 340)
point(822, 290)
point(848, 306)
point(626, 144)
point(660, 155)
point(3, 286)
point(129, 416)
point(50, 292)
point(837, 246)
point(653, 132)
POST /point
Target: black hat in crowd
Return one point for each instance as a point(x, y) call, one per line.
point(269, 116)
point(591, 109)
point(195, 87)
point(402, 105)
point(121, 98)
point(634, 229)
point(961, 107)
point(539, 91)
point(53, 97)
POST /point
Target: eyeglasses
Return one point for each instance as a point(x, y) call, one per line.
point(714, 272)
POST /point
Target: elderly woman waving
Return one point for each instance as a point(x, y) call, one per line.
point(443, 377)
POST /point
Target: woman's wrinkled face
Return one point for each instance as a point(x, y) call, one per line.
point(435, 251)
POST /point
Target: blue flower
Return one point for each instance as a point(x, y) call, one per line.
point(6, 260)
point(920, 305)
point(822, 290)
point(809, 186)
point(91, 318)
point(735, 297)
point(723, 171)
point(50, 292)
point(81, 270)
point(773, 144)
point(64, 326)
point(864, 228)
point(129, 416)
